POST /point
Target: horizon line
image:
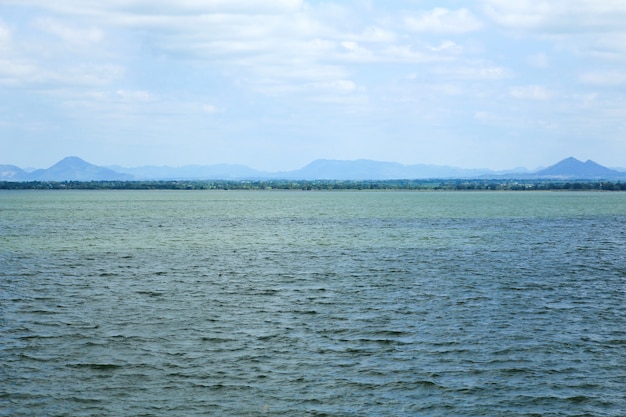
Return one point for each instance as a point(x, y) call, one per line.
point(117, 165)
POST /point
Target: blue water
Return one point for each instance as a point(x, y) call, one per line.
point(155, 303)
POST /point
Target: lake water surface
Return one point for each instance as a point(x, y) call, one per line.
point(244, 303)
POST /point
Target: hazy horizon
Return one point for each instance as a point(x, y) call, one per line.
point(275, 85)
point(270, 171)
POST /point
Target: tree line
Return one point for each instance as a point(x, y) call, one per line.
point(417, 185)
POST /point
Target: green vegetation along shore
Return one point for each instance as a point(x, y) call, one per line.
point(420, 185)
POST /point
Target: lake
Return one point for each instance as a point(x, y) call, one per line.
point(254, 303)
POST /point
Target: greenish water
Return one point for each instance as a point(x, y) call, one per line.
point(229, 303)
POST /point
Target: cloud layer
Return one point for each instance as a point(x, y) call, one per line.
point(280, 82)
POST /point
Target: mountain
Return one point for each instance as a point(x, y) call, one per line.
point(11, 173)
point(572, 168)
point(325, 169)
point(73, 168)
point(364, 169)
point(321, 169)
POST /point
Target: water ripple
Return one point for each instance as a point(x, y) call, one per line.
point(235, 304)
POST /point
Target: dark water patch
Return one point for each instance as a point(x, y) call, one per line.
point(151, 293)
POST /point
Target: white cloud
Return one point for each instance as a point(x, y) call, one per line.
point(355, 49)
point(162, 65)
point(589, 29)
point(343, 86)
point(134, 96)
point(530, 92)
point(18, 73)
point(559, 16)
point(5, 34)
point(446, 46)
point(209, 108)
point(12, 72)
point(441, 20)
point(69, 33)
point(377, 34)
point(517, 13)
point(539, 60)
point(161, 7)
point(30, 57)
point(477, 71)
point(483, 116)
point(604, 78)
point(608, 46)
point(88, 74)
point(277, 45)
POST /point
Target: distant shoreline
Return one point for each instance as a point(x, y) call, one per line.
point(327, 185)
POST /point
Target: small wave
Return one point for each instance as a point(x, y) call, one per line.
point(86, 400)
point(97, 366)
point(577, 399)
point(43, 311)
point(304, 311)
point(38, 336)
point(421, 383)
point(152, 293)
point(36, 358)
point(217, 339)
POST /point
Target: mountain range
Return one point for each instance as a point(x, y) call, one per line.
point(75, 169)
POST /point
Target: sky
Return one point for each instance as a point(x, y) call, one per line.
point(276, 84)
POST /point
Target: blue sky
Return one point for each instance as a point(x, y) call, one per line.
point(275, 84)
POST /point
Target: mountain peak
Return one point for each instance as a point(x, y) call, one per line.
point(11, 172)
point(576, 169)
point(72, 161)
point(73, 168)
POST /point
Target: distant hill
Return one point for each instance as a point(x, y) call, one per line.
point(75, 169)
point(572, 168)
point(364, 169)
point(11, 173)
